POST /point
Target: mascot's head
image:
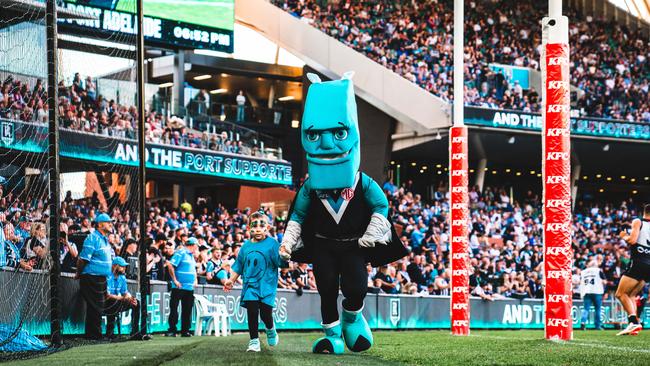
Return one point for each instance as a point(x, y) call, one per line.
point(330, 133)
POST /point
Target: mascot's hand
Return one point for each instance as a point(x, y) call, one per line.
point(285, 253)
point(291, 240)
point(377, 232)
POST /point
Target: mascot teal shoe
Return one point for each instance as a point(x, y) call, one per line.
point(356, 331)
point(332, 343)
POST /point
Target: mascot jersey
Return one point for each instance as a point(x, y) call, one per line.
point(258, 264)
point(339, 218)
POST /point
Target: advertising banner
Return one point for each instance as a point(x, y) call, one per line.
point(594, 127)
point(32, 138)
point(292, 312)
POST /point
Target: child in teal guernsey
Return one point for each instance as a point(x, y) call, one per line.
point(257, 263)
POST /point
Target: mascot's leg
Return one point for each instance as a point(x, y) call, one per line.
point(326, 273)
point(332, 343)
point(354, 285)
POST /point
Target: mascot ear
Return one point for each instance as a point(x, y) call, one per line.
point(315, 79)
point(348, 75)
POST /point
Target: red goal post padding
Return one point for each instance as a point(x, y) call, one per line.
point(458, 182)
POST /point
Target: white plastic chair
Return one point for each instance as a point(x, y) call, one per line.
point(215, 314)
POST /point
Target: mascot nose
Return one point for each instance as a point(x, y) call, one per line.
point(326, 141)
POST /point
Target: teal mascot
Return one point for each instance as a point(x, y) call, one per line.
point(338, 221)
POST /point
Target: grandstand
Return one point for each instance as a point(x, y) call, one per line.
point(223, 104)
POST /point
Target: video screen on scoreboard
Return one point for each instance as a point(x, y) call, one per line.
point(189, 24)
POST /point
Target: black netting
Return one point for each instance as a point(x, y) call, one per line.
point(97, 111)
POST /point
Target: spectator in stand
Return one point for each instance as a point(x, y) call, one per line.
point(241, 103)
point(414, 39)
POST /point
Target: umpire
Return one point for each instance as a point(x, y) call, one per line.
point(182, 271)
point(93, 266)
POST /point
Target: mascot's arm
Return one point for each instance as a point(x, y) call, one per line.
point(378, 230)
point(291, 239)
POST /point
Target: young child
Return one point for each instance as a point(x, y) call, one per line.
point(257, 264)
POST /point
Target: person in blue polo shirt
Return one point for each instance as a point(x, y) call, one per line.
point(93, 266)
point(119, 299)
point(182, 271)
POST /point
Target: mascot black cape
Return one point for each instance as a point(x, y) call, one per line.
point(338, 221)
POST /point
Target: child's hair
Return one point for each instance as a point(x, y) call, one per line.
point(259, 215)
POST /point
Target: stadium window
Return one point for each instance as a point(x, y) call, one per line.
point(584, 177)
point(413, 164)
point(438, 166)
point(508, 170)
point(601, 190)
point(635, 191)
point(518, 173)
point(494, 172)
point(632, 180)
point(623, 177)
point(599, 175)
point(609, 179)
point(532, 172)
point(646, 178)
point(392, 162)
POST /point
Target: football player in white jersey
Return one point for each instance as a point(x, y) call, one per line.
point(638, 273)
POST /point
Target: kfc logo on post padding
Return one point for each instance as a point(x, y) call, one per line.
point(459, 306)
point(557, 179)
point(557, 61)
point(557, 108)
point(459, 289)
point(558, 203)
point(558, 298)
point(557, 251)
point(555, 84)
point(556, 322)
point(458, 140)
point(556, 132)
point(559, 274)
point(557, 226)
point(458, 156)
point(556, 155)
point(458, 189)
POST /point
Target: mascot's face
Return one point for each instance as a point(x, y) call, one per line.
point(330, 133)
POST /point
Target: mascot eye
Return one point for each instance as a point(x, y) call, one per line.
point(341, 134)
point(312, 136)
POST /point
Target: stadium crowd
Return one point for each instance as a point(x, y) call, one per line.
point(415, 39)
point(81, 108)
point(505, 240)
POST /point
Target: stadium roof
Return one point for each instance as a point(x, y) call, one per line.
point(638, 8)
point(13, 12)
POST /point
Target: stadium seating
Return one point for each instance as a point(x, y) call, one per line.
point(414, 39)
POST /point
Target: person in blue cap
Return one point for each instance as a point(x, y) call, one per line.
point(182, 271)
point(119, 300)
point(93, 267)
point(257, 263)
point(339, 218)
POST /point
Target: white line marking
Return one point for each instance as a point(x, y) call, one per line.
point(604, 346)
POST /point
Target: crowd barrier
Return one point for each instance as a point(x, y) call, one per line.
point(294, 312)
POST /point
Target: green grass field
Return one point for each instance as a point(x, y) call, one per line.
point(391, 348)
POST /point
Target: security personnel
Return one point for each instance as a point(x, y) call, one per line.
point(119, 299)
point(182, 271)
point(93, 266)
